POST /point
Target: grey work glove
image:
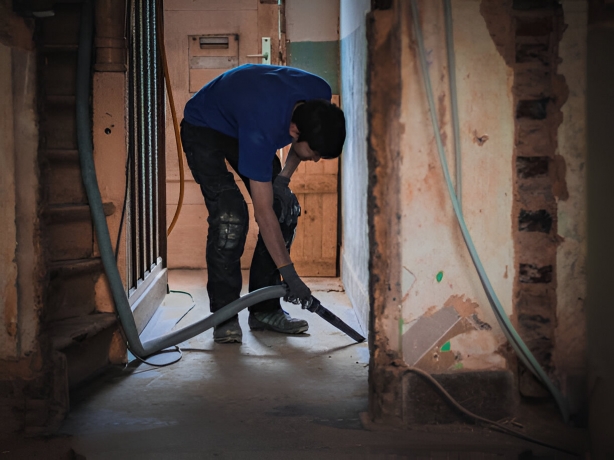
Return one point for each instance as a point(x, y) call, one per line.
point(289, 209)
point(297, 292)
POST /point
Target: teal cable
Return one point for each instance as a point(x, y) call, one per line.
point(447, 8)
point(515, 340)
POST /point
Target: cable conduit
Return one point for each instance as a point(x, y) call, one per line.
point(447, 8)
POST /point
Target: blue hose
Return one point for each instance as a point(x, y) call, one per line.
point(515, 340)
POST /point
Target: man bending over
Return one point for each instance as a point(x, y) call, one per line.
point(244, 116)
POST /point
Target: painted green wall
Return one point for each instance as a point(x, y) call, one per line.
point(319, 58)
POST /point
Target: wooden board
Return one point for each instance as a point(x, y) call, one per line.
point(315, 247)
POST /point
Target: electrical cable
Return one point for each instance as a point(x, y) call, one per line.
point(169, 92)
point(447, 8)
point(177, 349)
point(175, 291)
point(190, 309)
point(484, 420)
point(515, 340)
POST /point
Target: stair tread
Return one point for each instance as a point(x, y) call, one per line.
point(60, 47)
point(60, 151)
point(63, 212)
point(72, 331)
point(62, 155)
point(68, 99)
point(74, 262)
point(76, 265)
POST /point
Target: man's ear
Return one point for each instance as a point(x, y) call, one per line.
point(294, 132)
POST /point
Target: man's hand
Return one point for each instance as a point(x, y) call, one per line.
point(270, 230)
point(290, 208)
point(298, 292)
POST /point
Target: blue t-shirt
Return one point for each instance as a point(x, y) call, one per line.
point(254, 103)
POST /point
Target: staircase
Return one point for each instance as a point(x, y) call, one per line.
point(71, 319)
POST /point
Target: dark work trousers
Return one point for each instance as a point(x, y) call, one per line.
point(206, 150)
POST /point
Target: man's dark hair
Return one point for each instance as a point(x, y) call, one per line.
point(322, 125)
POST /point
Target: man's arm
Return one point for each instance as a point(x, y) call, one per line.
point(292, 162)
point(262, 197)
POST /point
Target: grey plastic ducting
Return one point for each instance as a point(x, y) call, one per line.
point(90, 182)
point(173, 338)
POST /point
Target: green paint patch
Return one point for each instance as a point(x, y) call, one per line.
point(458, 366)
point(445, 346)
point(439, 277)
point(320, 58)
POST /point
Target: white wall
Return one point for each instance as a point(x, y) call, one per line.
point(355, 246)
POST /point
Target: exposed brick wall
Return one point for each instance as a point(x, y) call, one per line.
point(527, 34)
point(383, 96)
point(539, 94)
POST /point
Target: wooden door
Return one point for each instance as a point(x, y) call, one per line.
point(314, 251)
point(315, 247)
point(195, 33)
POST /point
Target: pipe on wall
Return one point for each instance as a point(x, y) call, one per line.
point(110, 40)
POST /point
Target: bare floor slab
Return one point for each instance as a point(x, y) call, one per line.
point(271, 397)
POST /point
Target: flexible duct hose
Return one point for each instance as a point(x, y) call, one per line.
point(515, 340)
point(90, 182)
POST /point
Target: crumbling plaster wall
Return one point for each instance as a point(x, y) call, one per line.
point(429, 308)
point(383, 151)
point(355, 247)
point(110, 152)
point(545, 44)
point(445, 318)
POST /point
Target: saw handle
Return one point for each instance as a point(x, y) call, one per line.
point(316, 307)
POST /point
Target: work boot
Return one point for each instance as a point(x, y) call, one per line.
point(228, 332)
point(278, 321)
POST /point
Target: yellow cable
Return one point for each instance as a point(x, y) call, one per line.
point(169, 91)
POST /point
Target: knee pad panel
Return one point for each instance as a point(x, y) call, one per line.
point(233, 220)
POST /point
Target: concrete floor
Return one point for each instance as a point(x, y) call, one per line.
point(272, 397)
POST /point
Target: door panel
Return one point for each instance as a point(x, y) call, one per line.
point(315, 247)
point(192, 67)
